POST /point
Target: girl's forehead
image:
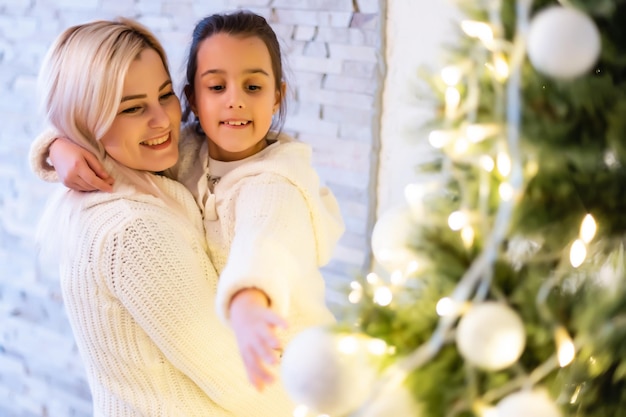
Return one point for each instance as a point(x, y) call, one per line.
point(226, 49)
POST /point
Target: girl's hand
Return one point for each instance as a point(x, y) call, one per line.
point(78, 168)
point(254, 324)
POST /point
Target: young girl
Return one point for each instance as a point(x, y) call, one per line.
point(138, 287)
point(269, 225)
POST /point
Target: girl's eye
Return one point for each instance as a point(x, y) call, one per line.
point(216, 87)
point(254, 87)
point(167, 95)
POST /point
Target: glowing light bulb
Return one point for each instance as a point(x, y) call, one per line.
point(577, 253)
point(451, 75)
point(480, 30)
point(461, 145)
point(446, 307)
point(356, 293)
point(588, 228)
point(377, 347)
point(506, 191)
point(487, 411)
point(479, 132)
point(372, 278)
point(383, 296)
point(503, 162)
point(452, 100)
point(467, 235)
point(457, 220)
point(301, 411)
point(566, 351)
point(501, 67)
point(397, 278)
point(439, 138)
point(486, 162)
point(348, 344)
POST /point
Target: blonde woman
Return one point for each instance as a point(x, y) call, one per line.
point(138, 286)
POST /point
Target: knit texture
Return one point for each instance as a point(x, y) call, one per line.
point(140, 290)
point(38, 156)
point(275, 227)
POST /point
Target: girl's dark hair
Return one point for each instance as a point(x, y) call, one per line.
point(240, 23)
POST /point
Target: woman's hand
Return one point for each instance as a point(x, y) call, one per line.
point(78, 168)
point(254, 324)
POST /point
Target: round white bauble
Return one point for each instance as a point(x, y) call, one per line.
point(527, 403)
point(491, 336)
point(390, 239)
point(563, 42)
point(326, 371)
point(397, 402)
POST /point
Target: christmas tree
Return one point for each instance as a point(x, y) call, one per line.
point(505, 294)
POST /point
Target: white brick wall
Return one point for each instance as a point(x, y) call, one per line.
point(332, 49)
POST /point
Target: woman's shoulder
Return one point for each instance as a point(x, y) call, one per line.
point(126, 204)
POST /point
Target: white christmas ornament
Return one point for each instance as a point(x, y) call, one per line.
point(563, 42)
point(491, 336)
point(390, 240)
point(399, 402)
point(328, 372)
point(526, 404)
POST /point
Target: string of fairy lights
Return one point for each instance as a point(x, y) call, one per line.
point(489, 334)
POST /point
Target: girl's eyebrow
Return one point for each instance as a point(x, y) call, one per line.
point(248, 71)
point(136, 96)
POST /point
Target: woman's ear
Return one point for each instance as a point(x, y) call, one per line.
point(191, 98)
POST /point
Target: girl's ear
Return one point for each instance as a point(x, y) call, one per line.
point(191, 98)
point(280, 96)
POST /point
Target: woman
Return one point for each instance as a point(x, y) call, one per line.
point(138, 286)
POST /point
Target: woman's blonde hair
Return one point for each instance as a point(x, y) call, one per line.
point(82, 76)
point(81, 83)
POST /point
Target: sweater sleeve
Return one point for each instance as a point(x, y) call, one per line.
point(273, 243)
point(38, 156)
point(160, 277)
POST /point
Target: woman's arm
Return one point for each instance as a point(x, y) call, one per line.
point(53, 158)
point(166, 281)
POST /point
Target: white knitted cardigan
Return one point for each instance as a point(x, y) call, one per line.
point(270, 225)
point(140, 293)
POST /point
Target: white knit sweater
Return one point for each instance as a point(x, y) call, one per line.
point(140, 290)
point(269, 225)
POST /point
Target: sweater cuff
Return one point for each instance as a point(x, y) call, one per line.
point(38, 156)
point(268, 267)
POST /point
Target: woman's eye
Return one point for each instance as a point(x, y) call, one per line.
point(131, 110)
point(167, 95)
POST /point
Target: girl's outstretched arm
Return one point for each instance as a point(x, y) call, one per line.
point(254, 324)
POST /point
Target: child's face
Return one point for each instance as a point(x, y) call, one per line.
point(235, 95)
point(144, 134)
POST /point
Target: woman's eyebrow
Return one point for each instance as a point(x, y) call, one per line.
point(136, 96)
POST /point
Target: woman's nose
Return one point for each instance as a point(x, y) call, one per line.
point(159, 117)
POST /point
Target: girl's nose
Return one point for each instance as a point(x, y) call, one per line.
point(235, 99)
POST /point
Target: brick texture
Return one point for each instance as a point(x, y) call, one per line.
point(332, 50)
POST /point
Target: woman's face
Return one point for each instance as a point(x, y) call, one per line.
point(144, 134)
point(235, 95)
